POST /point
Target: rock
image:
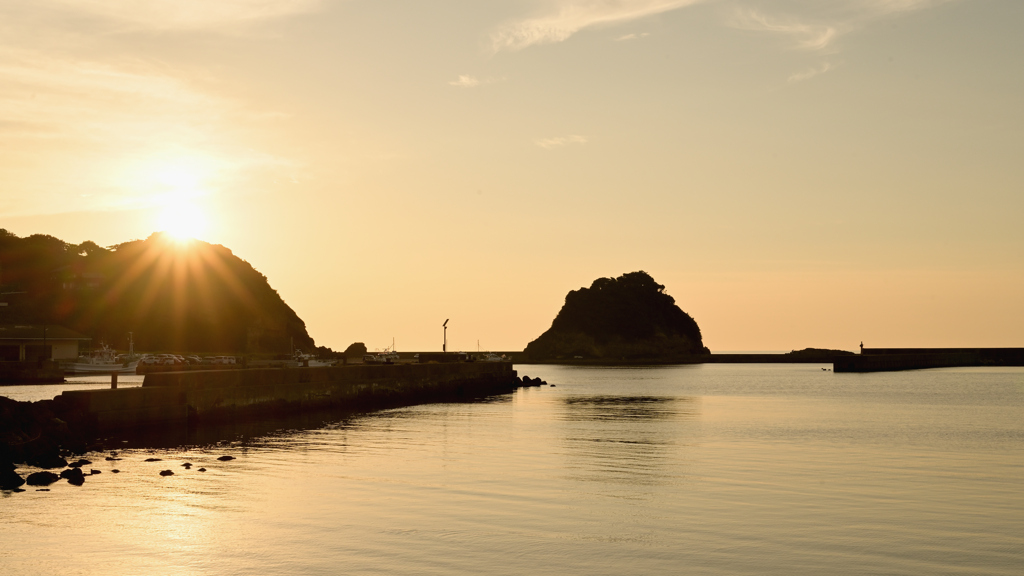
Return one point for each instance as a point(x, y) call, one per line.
point(93, 472)
point(526, 380)
point(152, 459)
point(187, 464)
point(552, 385)
point(166, 473)
point(115, 471)
point(74, 476)
point(202, 469)
point(9, 480)
point(79, 463)
point(627, 319)
point(39, 490)
point(41, 478)
point(49, 462)
point(226, 458)
point(111, 459)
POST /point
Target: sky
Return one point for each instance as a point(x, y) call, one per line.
point(797, 173)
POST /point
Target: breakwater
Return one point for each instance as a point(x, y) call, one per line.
point(767, 359)
point(894, 359)
point(31, 372)
point(224, 395)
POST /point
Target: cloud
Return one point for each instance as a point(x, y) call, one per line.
point(77, 124)
point(632, 36)
point(820, 24)
point(807, 36)
point(185, 14)
point(559, 141)
point(810, 72)
point(465, 82)
point(564, 18)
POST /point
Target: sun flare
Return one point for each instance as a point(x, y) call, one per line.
point(183, 221)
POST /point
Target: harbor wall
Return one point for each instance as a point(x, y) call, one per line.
point(766, 359)
point(893, 359)
point(31, 372)
point(217, 396)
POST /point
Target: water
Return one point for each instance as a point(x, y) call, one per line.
point(713, 469)
point(34, 392)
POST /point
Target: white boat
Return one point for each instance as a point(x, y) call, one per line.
point(492, 357)
point(101, 361)
point(388, 356)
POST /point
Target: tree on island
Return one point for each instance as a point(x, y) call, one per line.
point(627, 318)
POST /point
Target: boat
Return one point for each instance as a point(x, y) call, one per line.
point(492, 357)
point(103, 360)
point(388, 356)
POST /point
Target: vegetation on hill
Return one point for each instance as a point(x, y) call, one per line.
point(825, 354)
point(629, 318)
point(172, 295)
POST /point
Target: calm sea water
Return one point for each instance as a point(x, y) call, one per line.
point(714, 469)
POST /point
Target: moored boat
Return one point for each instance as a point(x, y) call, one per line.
point(104, 360)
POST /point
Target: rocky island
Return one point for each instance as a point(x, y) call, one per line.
point(629, 319)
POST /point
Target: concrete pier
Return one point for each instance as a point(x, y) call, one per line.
point(224, 395)
point(893, 359)
point(30, 372)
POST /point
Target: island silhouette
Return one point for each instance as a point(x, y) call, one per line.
point(627, 319)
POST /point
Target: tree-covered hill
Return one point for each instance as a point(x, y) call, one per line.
point(627, 318)
point(172, 295)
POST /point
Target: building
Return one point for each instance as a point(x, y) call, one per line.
point(28, 342)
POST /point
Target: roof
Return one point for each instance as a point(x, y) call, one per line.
point(35, 332)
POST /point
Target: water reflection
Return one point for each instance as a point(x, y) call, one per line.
point(628, 407)
point(632, 440)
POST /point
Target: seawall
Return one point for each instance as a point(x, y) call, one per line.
point(893, 359)
point(31, 372)
point(225, 395)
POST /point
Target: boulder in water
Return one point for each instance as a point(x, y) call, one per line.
point(167, 473)
point(75, 476)
point(9, 480)
point(226, 458)
point(41, 478)
point(49, 461)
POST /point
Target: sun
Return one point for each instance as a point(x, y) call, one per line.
point(182, 220)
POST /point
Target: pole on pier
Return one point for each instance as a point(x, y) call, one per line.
point(113, 380)
point(444, 347)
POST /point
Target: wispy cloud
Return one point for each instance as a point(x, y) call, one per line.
point(563, 18)
point(186, 14)
point(465, 81)
point(559, 141)
point(99, 121)
point(807, 36)
point(632, 36)
point(810, 72)
point(817, 26)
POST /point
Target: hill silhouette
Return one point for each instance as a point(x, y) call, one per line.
point(629, 318)
point(172, 295)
